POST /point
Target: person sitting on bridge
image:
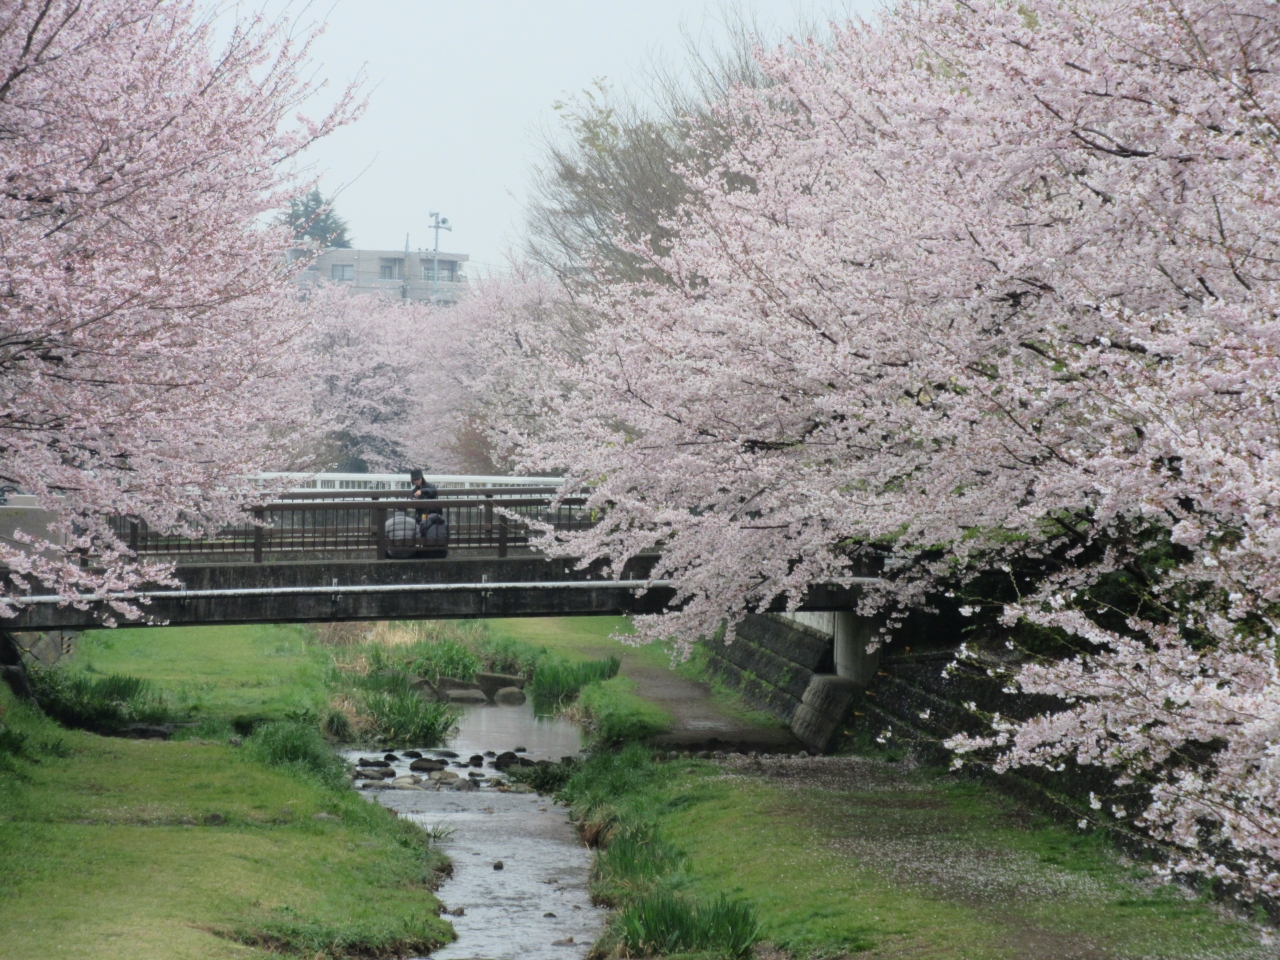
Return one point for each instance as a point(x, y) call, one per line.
point(422, 490)
point(433, 528)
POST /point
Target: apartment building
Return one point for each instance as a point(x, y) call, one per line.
point(393, 273)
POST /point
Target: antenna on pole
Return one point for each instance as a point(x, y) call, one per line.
point(438, 223)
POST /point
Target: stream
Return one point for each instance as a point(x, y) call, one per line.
point(536, 906)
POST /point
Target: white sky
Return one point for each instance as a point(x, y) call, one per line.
point(460, 92)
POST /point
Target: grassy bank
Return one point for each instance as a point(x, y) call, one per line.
point(194, 848)
point(852, 855)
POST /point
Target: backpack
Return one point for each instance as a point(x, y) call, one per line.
point(434, 529)
point(400, 527)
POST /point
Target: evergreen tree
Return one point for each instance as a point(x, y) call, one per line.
point(312, 218)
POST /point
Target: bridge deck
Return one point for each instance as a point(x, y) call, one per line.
point(363, 590)
point(328, 556)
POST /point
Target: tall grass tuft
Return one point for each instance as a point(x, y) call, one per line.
point(442, 658)
point(556, 681)
point(632, 864)
point(104, 704)
point(402, 718)
point(298, 747)
point(663, 923)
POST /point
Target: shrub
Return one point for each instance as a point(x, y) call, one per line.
point(557, 681)
point(103, 704)
point(298, 747)
point(662, 923)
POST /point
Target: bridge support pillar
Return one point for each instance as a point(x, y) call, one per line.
point(851, 635)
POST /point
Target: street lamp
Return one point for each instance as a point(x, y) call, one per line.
point(438, 223)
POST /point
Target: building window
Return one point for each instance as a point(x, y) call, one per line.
point(343, 271)
point(391, 270)
point(448, 270)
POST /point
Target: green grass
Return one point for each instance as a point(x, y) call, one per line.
point(616, 714)
point(226, 676)
point(832, 871)
point(574, 638)
point(557, 681)
point(912, 863)
point(297, 747)
point(401, 718)
point(105, 704)
point(143, 849)
point(642, 874)
point(664, 923)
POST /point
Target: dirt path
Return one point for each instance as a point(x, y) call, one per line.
point(700, 722)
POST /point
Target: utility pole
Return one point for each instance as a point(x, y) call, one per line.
point(438, 223)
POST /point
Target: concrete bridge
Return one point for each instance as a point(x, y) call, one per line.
point(329, 554)
point(324, 552)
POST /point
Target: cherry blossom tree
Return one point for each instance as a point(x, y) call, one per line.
point(982, 284)
point(384, 378)
point(148, 322)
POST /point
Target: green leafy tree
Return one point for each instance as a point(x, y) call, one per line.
point(313, 220)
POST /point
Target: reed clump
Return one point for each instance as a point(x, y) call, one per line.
point(556, 682)
point(103, 704)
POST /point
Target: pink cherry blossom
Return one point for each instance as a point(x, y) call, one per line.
point(979, 282)
point(148, 322)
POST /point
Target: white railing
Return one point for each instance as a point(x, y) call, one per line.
point(398, 481)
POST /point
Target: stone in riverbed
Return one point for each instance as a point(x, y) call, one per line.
point(466, 696)
point(375, 785)
point(390, 758)
point(476, 761)
point(520, 750)
point(443, 776)
point(411, 754)
point(504, 760)
point(375, 773)
point(445, 753)
point(491, 683)
point(372, 762)
point(426, 765)
point(447, 685)
point(497, 864)
point(425, 689)
point(463, 785)
point(406, 781)
point(509, 697)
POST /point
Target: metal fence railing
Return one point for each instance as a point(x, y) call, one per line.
point(315, 523)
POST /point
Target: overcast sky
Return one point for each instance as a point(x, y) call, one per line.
point(460, 92)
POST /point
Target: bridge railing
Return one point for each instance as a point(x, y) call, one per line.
point(325, 525)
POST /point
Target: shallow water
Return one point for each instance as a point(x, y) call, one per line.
point(545, 865)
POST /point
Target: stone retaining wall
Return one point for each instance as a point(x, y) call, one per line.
point(771, 662)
